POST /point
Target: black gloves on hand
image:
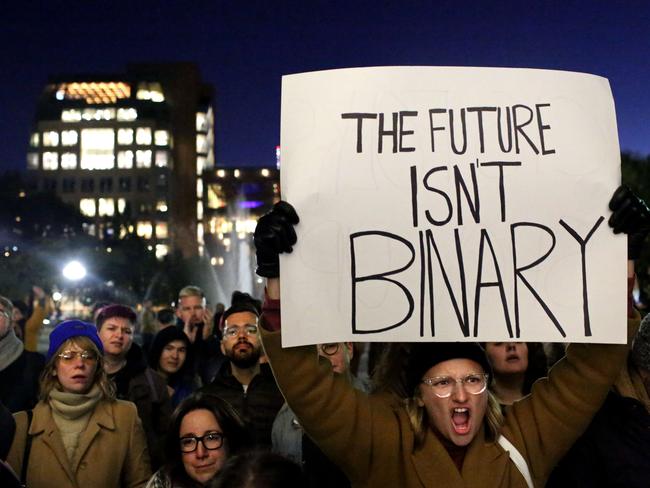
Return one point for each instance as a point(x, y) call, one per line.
point(630, 215)
point(274, 234)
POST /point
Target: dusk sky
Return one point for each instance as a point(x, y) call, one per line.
point(244, 47)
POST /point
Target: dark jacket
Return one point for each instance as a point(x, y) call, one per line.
point(615, 449)
point(257, 407)
point(138, 383)
point(19, 381)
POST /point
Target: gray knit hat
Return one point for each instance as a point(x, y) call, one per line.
point(641, 347)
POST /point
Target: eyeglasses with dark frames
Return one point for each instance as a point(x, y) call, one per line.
point(329, 349)
point(210, 441)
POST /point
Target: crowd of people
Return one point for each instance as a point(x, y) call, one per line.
point(208, 397)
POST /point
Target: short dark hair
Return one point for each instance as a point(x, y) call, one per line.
point(236, 437)
point(261, 469)
point(115, 310)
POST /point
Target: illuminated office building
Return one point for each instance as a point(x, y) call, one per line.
point(129, 150)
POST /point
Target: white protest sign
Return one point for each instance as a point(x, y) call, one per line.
point(451, 204)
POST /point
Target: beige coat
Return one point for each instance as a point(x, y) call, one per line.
point(112, 450)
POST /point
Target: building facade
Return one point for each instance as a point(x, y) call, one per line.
point(129, 150)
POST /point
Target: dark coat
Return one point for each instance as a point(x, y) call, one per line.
point(613, 452)
point(257, 407)
point(19, 382)
point(138, 383)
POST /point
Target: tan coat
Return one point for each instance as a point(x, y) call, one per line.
point(371, 439)
point(112, 450)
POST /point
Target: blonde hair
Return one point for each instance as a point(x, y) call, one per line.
point(417, 414)
point(49, 381)
point(191, 291)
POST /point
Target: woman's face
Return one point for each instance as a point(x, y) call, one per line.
point(173, 357)
point(202, 464)
point(459, 416)
point(75, 374)
point(507, 357)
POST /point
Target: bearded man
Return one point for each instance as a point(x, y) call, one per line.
point(242, 380)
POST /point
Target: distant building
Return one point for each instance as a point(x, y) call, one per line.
point(129, 150)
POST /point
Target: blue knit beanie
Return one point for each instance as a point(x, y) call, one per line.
point(72, 328)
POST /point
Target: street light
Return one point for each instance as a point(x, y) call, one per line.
point(74, 271)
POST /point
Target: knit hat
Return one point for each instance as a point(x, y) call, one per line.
point(7, 430)
point(641, 348)
point(241, 302)
point(72, 328)
point(424, 356)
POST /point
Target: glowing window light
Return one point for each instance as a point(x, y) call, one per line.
point(32, 161)
point(199, 210)
point(161, 138)
point(162, 250)
point(200, 164)
point(71, 115)
point(121, 205)
point(127, 114)
point(87, 207)
point(144, 229)
point(69, 137)
point(201, 122)
point(265, 172)
point(161, 206)
point(93, 92)
point(161, 230)
point(106, 207)
point(34, 139)
point(125, 159)
point(246, 226)
point(97, 149)
point(98, 114)
point(125, 137)
point(237, 173)
point(162, 159)
point(221, 173)
point(199, 188)
point(201, 144)
point(150, 91)
point(143, 159)
point(68, 161)
point(50, 161)
point(143, 136)
point(51, 138)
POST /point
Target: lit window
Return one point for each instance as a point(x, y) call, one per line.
point(32, 161)
point(150, 91)
point(87, 207)
point(50, 160)
point(125, 136)
point(199, 188)
point(265, 172)
point(201, 144)
point(161, 206)
point(34, 139)
point(106, 207)
point(162, 159)
point(199, 232)
point(199, 210)
point(71, 115)
point(143, 159)
point(221, 173)
point(245, 226)
point(51, 138)
point(161, 137)
point(98, 114)
point(69, 137)
point(125, 159)
point(162, 250)
point(200, 164)
point(143, 136)
point(237, 173)
point(201, 122)
point(127, 114)
point(68, 161)
point(97, 149)
point(121, 205)
point(161, 230)
point(144, 230)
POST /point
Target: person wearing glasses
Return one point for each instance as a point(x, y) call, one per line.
point(79, 434)
point(289, 438)
point(205, 431)
point(242, 380)
point(449, 430)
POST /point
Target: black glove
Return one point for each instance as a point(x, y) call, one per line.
point(274, 234)
point(630, 215)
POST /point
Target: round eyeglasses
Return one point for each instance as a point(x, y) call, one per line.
point(86, 356)
point(210, 441)
point(443, 386)
point(329, 349)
